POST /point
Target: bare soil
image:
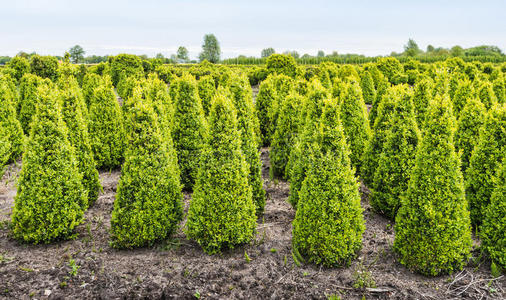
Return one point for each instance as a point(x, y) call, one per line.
point(179, 268)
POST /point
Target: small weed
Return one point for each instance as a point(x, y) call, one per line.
point(73, 267)
point(285, 260)
point(306, 273)
point(274, 250)
point(186, 273)
point(495, 270)
point(25, 269)
point(246, 257)
point(334, 297)
point(197, 295)
point(172, 244)
point(297, 258)
point(63, 284)
point(363, 278)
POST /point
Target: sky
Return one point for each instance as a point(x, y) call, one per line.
point(246, 27)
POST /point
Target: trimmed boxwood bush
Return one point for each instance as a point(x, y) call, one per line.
point(433, 229)
point(298, 164)
point(355, 123)
point(190, 128)
point(463, 93)
point(5, 148)
point(222, 212)
point(486, 94)
point(469, 123)
point(19, 66)
point(287, 129)
point(243, 102)
point(485, 159)
point(207, 89)
point(12, 133)
point(129, 64)
point(50, 196)
point(266, 97)
point(28, 99)
point(328, 225)
point(44, 66)
point(281, 64)
point(421, 97)
point(493, 230)
point(106, 126)
point(368, 90)
point(381, 85)
point(90, 82)
point(395, 162)
point(148, 205)
point(72, 103)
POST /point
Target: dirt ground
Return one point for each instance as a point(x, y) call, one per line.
point(180, 269)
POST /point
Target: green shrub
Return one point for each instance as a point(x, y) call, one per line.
point(190, 128)
point(156, 90)
point(382, 85)
point(90, 82)
point(493, 230)
point(355, 123)
point(298, 162)
point(484, 161)
point(367, 85)
point(390, 180)
point(125, 87)
point(486, 94)
point(130, 64)
point(106, 126)
point(50, 196)
point(281, 64)
point(12, 134)
point(392, 69)
point(28, 99)
point(421, 97)
point(148, 205)
point(287, 129)
point(432, 229)
point(5, 148)
point(20, 66)
point(499, 88)
point(328, 225)
point(379, 132)
point(243, 102)
point(44, 66)
point(72, 102)
point(327, 72)
point(207, 89)
point(222, 212)
point(463, 93)
point(469, 123)
point(266, 97)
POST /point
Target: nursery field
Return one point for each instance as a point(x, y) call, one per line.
point(134, 179)
point(178, 268)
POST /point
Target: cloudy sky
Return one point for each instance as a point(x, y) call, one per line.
point(246, 27)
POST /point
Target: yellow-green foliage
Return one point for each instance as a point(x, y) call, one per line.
point(390, 180)
point(433, 229)
point(12, 133)
point(72, 103)
point(243, 102)
point(298, 162)
point(281, 64)
point(493, 230)
point(499, 87)
point(148, 205)
point(106, 126)
point(288, 127)
point(469, 123)
point(207, 89)
point(463, 93)
point(485, 159)
point(422, 95)
point(19, 66)
point(266, 97)
point(486, 94)
point(222, 212)
point(368, 90)
point(125, 88)
point(328, 225)
point(130, 65)
point(355, 122)
point(392, 70)
point(190, 128)
point(379, 132)
point(5, 148)
point(90, 82)
point(28, 99)
point(50, 196)
point(44, 66)
point(381, 85)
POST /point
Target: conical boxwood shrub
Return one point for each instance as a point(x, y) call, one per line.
point(266, 97)
point(5, 148)
point(471, 119)
point(190, 128)
point(207, 89)
point(287, 130)
point(90, 82)
point(433, 229)
point(499, 88)
point(148, 205)
point(297, 163)
point(50, 196)
point(484, 161)
point(243, 102)
point(463, 93)
point(72, 103)
point(156, 91)
point(493, 230)
point(328, 225)
point(367, 85)
point(395, 162)
point(355, 123)
point(421, 96)
point(379, 132)
point(12, 132)
point(106, 126)
point(486, 94)
point(222, 212)
point(283, 85)
point(28, 99)
point(381, 84)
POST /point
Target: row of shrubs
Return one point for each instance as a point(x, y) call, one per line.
point(203, 136)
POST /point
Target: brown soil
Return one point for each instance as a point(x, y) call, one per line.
point(180, 269)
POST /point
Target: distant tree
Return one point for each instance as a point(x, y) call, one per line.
point(159, 56)
point(77, 54)
point(268, 52)
point(411, 48)
point(456, 51)
point(182, 54)
point(292, 53)
point(210, 49)
point(334, 54)
point(430, 48)
point(320, 53)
